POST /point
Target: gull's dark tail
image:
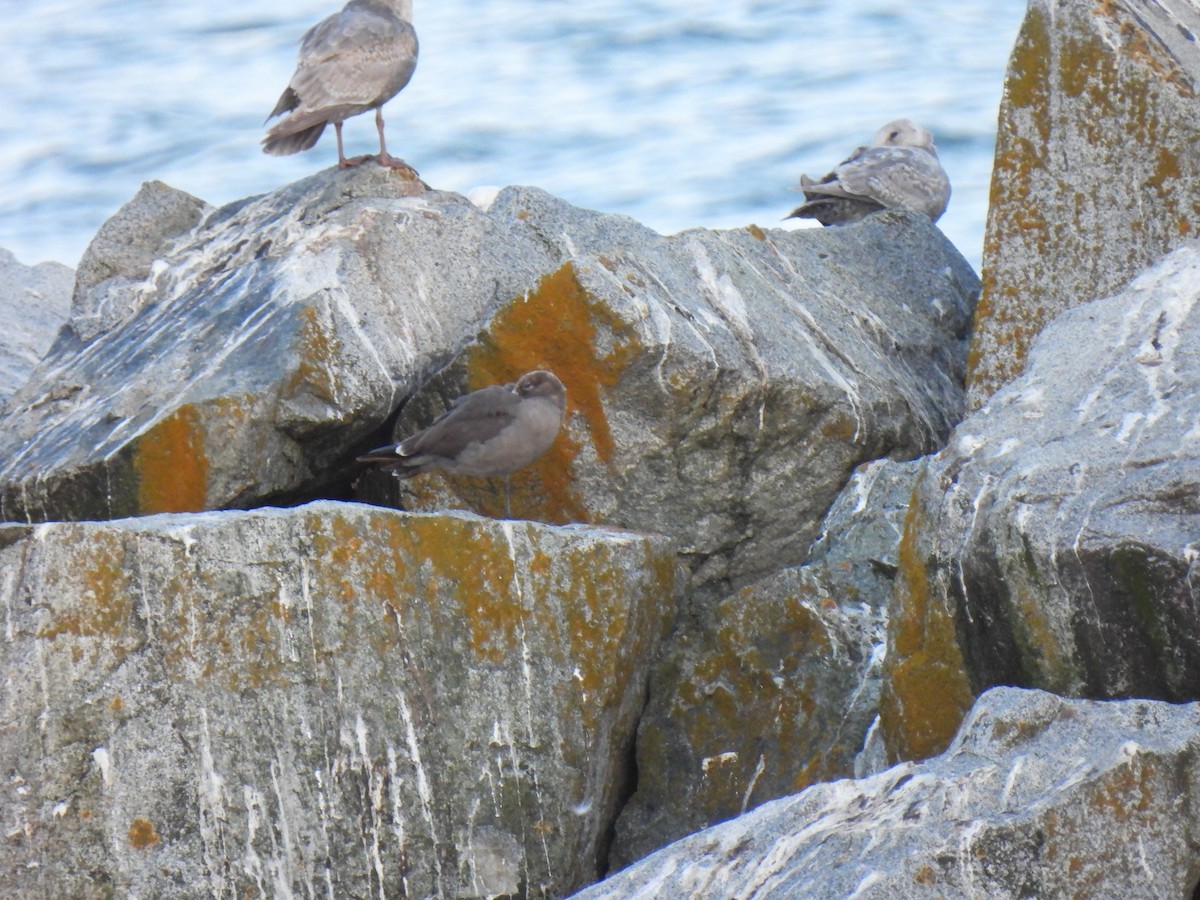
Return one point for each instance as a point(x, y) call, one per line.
point(279, 143)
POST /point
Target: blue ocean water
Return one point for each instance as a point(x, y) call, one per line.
point(680, 113)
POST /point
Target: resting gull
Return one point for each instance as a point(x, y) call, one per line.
point(355, 60)
point(493, 431)
point(900, 170)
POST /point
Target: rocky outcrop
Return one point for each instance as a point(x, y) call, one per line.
point(34, 303)
point(722, 386)
point(267, 343)
point(1054, 542)
point(117, 273)
point(776, 688)
point(1038, 797)
point(332, 700)
point(1095, 175)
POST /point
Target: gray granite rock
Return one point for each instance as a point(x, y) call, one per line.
point(1095, 176)
point(333, 700)
point(860, 536)
point(1055, 542)
point(259, 352)
point(778, 687)
point(116, 273)
point(1038, 796)
point(34, 304)
point(722, 386)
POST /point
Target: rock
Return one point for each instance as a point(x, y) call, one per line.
point(109, 282)
point(1038, 797)
point(265, 349)
point(860, 537)
point(777, 688)
point(1095, 175)
point(1054, 542)
point(34, 302)
point(332, 700)
point(721, 386)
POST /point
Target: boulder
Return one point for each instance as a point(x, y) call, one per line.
point(1095, 176)
point(1038, 796)
point(777, 688)
point(331, 699)
point(259, 353)
point(722, 386)
point(34, 304)
point(116, 275)
point(1054, 542)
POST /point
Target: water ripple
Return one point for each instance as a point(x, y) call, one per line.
point(678, 113)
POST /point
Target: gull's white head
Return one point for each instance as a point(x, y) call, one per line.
point(904, 133)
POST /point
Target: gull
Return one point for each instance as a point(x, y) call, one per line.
point(899, 170)
point(493, 431)
point(351, 62)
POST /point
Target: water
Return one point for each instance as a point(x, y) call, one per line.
point(680, 113)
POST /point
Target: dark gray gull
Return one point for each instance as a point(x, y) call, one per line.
point(355, 60)
point(493, 431)
point(899, 170)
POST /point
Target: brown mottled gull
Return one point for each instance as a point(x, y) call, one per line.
point(899, 170)
point(493, 431)
point(355, 60)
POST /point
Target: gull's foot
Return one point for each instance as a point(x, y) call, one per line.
point(391, 162)
point(353, 161)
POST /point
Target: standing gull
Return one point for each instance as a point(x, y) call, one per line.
point(493, 431)
point(900, 170)
point(355, 60)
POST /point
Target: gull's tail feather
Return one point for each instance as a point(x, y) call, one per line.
point(279, 143)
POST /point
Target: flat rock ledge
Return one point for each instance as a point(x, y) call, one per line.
point(330, 700)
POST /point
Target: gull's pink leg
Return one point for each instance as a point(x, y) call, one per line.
point(386, 159)
point(344, 163)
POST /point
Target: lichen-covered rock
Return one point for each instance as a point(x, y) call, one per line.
point(777, 687)
point(260, 352)
point(34, 303)
point(330, 700)
point(1055, 542)
point(1096, 174)
point(721, 386)
point(1038, 797)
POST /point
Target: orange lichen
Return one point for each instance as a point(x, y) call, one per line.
point(317, 358)
point(1081, 99)
point(557, 326)
point(839, 428)
point(142, 834)
point(926, 691)
point(1027, 81)
point(171, 465)
point(469, 574)
point(757, 232)
point(105, 608)
point(1126, 793)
